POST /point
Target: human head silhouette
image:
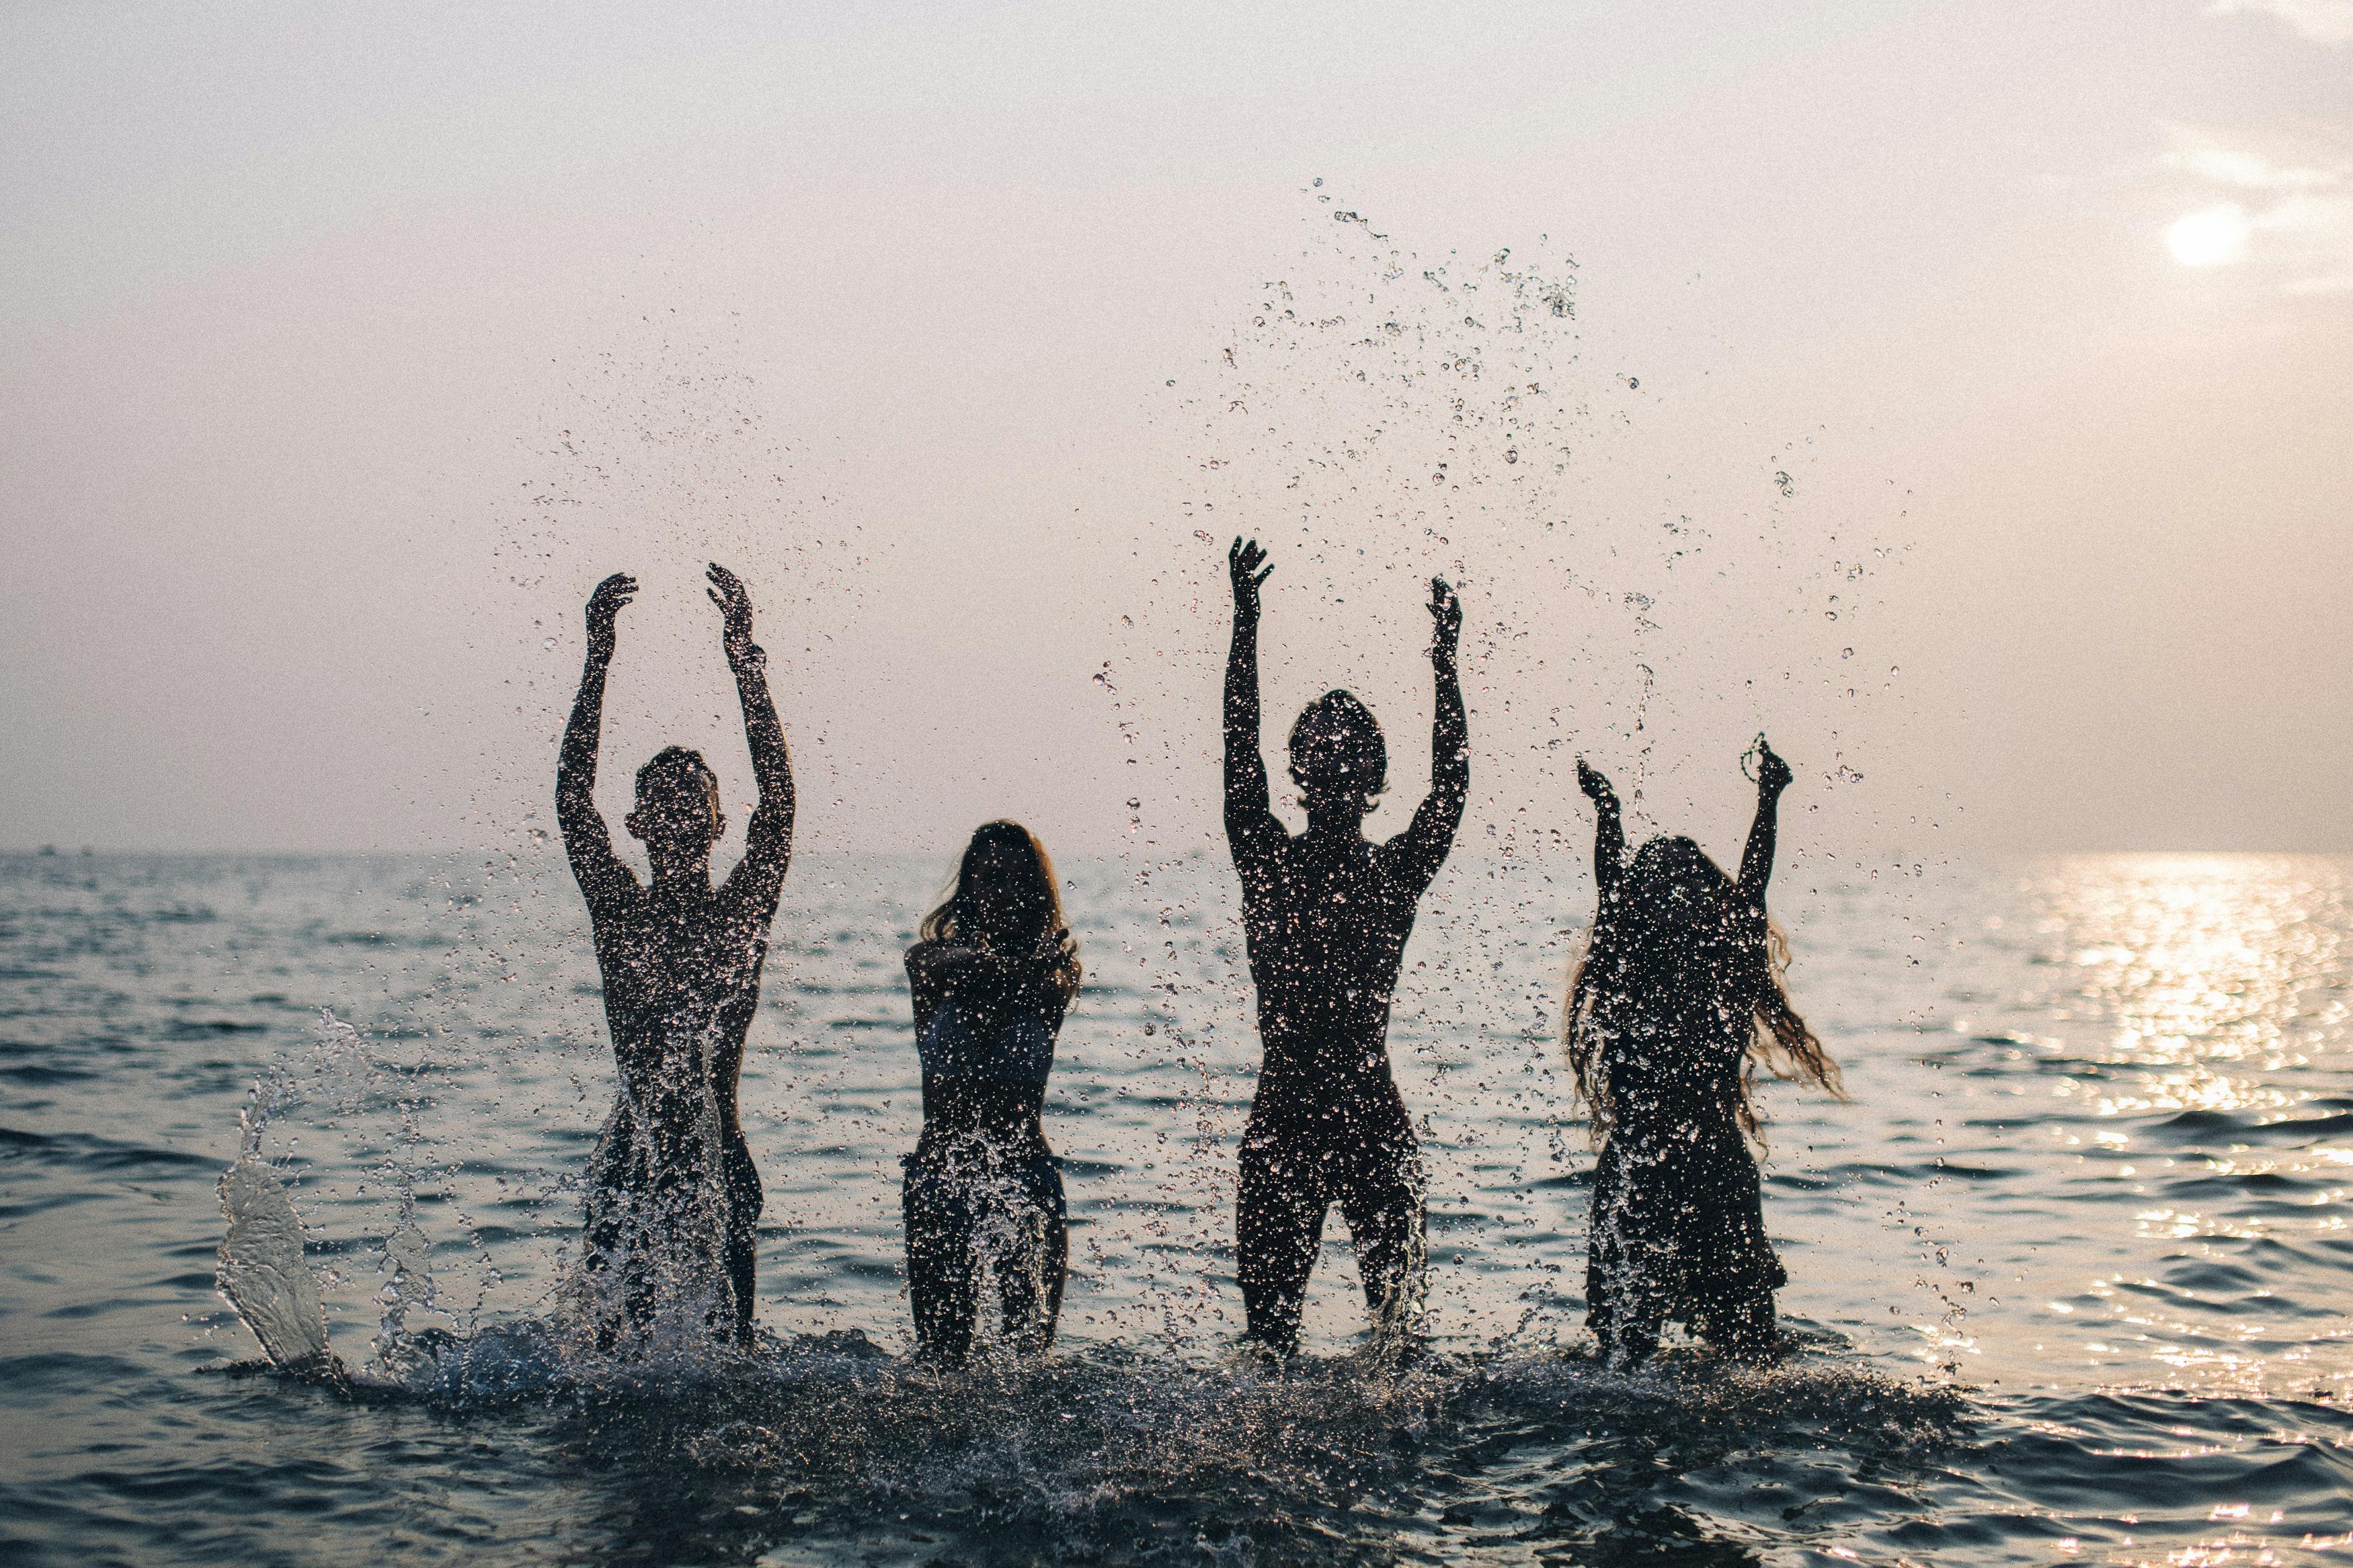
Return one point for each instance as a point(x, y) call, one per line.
point(677, 815)
point(1678, 905)
point(1337, 756)
point(1005, 886)
point(1005, 897)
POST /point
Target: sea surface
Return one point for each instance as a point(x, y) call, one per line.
point(2070, 1272)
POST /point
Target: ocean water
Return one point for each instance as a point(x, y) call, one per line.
point(2069, 1272)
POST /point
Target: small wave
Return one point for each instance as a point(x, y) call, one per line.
point(205, 1028)
point(36, 1076)
point(2193, 1129)
point(93, 1154)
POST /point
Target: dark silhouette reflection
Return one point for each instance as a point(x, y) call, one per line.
point(672, 1175)
point(991, 979)
point(1326, 915)
point(1676, 999)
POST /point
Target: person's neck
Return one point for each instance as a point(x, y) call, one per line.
point(1343, 820)
point(681, 873)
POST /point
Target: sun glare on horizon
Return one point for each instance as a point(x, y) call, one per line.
point(2211, 236)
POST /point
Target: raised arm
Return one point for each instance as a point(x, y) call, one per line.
point(1757, 861)
point(1608, 828)
point(1250, 815)
point(768, 840)
point(1421, 848)
point(586, 840)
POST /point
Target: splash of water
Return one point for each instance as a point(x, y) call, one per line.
point(261, 1269)
point(652, 1282)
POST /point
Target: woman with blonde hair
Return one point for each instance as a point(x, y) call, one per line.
point(991, 979)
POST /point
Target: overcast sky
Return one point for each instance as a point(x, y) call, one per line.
point(1959, 394)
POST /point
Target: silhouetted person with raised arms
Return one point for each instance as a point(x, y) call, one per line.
point(991, 979)
point(1326, 915)
point(1677, 997)
point(673, 1198)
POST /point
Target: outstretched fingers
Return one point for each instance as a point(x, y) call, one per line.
point(1246, 563)
point(727, 589)
point(734, 603)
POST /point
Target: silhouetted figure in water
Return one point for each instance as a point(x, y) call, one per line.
point(680, 961)
point(991, 979)
point(1676, 999)
point(1326, 916)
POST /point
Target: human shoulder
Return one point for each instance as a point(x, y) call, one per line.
point(940, 955)
point(615, 897)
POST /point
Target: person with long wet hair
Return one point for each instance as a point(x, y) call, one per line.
point(1325, 915)
point(1677, 999)
point(673, 1196)
point(991, 978)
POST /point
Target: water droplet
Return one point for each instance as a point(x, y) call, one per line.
point(549, 644)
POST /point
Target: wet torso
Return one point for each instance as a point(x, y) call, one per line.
point(1325, 919)
point(985, 1032)
point(682, 973)
point(1675, 1073)
point(1677, 1180)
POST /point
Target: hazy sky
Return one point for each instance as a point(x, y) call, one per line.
point(1959, 393)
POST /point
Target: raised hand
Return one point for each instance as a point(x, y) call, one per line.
point(604, 605)
point(726, 591)
point(1595, 784)
point(1246, 565)
point(1773, 774)
point(1446, 611)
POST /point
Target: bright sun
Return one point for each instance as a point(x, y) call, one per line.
point(2210, 237)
